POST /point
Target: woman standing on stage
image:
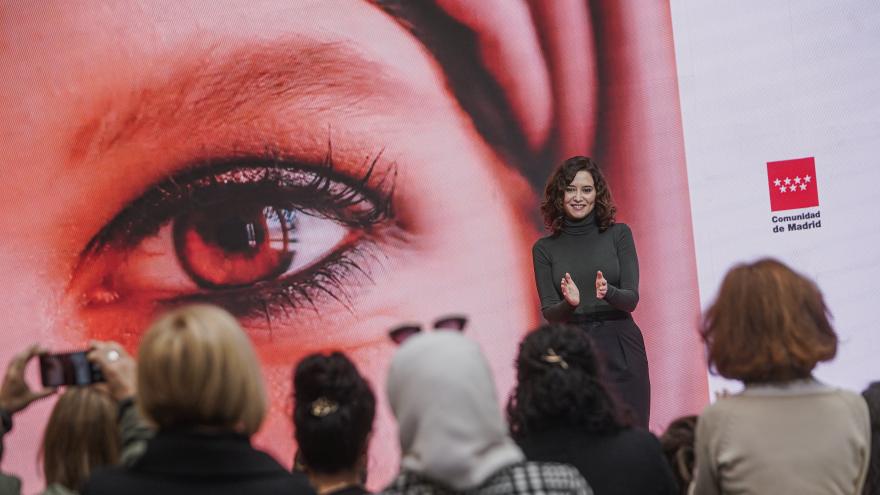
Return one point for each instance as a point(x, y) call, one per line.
point(587, 249)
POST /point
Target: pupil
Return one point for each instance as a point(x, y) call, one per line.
point(237, 235)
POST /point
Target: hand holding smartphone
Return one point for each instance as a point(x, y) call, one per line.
point(117, 366)
point(71, 368)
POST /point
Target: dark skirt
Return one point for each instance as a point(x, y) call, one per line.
point(620, 342)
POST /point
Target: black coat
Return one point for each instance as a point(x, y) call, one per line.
point(186, 463)
point(629, 462)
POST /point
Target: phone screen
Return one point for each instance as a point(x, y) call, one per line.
point(71, 368)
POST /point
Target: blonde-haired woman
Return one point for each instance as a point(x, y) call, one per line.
point(199, 381)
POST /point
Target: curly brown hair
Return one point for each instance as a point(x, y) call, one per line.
point(768, 324)
point(554, 192)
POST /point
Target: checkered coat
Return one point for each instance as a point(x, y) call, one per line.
point(526, 478)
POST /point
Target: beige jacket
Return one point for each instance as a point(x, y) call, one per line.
point(800, 438)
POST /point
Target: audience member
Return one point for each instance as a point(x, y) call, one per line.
point(15, 395)
point(81, 436)
point(198, 381)
point(89, 427)
point(333, 416)
point(786, 432)
point(872, 481)
point(452, 435)
point(562, 411)
point(678, 446)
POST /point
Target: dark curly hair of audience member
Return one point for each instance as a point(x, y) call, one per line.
point(872, 481)
point(678, 447)
point(333, 412)
point(560, 384)
point(551, 205)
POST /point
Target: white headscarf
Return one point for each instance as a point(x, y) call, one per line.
point(450, 425)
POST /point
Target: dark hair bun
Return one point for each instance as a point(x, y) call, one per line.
point(333, 377)
point(333, 412)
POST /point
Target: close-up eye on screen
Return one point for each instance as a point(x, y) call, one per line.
point(347, 175)
point(266, 238)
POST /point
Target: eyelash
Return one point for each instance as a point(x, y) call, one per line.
point(317, 190)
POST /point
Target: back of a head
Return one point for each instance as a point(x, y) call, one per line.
point(81, 436)
point(450, 425)
point(441, 370)
point(678, 445)
point(767, 324)
point(560, 384)
point(197, 368)
point(333, 413)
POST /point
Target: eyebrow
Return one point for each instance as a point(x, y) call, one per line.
point(234, 86)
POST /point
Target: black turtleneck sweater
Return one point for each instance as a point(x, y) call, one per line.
point(581, 250)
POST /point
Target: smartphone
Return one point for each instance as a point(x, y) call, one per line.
point(70, 368)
